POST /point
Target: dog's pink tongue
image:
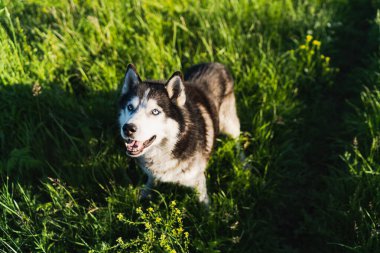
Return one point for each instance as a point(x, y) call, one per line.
point(134, 145)
point(138, 145)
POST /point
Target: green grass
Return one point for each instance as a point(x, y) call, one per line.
point(307, 83)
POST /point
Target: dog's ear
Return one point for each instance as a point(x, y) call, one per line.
point(131, 78)
point(176, 89)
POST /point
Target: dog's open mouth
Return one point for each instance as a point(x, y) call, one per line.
point(135, 148)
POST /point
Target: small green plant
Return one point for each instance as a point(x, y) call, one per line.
point(310, 52)
point(159, 230)
point(312, 64)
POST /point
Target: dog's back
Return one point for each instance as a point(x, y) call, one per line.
point(213, 78)
point(216, 82)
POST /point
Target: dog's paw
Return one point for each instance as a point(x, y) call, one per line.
point(205, 200)
point(145, 193)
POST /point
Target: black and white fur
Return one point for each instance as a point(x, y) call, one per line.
point(170, 127)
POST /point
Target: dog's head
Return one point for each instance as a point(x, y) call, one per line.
point(149, 112)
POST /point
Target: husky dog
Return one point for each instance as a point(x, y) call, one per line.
point(170, 127)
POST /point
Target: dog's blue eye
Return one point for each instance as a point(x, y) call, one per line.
point(130, 107)
point(155, 112)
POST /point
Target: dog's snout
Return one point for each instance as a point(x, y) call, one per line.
point(129, 129)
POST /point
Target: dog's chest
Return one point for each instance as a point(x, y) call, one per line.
point(167, 169)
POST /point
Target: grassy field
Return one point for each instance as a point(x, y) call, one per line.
point(307, 76)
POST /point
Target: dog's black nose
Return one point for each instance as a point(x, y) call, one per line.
point(129, 129)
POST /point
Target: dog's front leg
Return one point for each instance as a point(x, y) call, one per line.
point(201, 188)
point(147, 188)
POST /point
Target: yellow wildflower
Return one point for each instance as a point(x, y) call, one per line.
point(303, 47)
point(148, 225)
point(120, 216)
point(158, 220)
point(120, 240)
point(186, 235)
point(327, 59)
point(309, 38)
point(150, 209)
point(179, 230)
point(173, 203)
point(173, 251)
point(322, 57)
point(317, 43)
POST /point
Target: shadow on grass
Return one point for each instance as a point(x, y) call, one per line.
point(307, 214)
point(59, 135)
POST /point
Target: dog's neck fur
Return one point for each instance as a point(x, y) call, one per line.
point(159, 163)
point(160, 153)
